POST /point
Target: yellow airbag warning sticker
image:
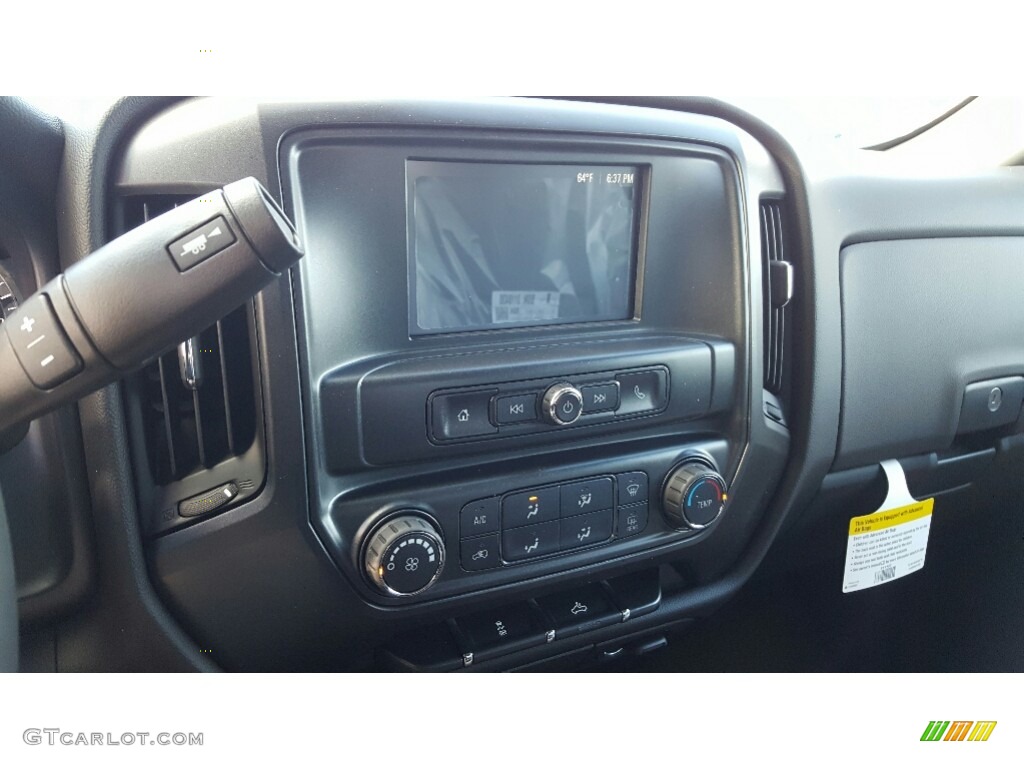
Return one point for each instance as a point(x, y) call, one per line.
point(879, 521)
point(890, 542)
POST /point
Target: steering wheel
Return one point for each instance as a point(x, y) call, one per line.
point(8, 600)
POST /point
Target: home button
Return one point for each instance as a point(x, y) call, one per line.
point(463, 414)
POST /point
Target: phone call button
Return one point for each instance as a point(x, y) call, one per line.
point(642, 391)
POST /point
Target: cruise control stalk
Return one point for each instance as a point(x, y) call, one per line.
point(152, 288)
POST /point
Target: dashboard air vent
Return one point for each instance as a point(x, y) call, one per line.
point(192, 425)
point(188, 429)
point(778, 289)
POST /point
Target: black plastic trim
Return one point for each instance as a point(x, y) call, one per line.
point(816, 372)
point(126, 626)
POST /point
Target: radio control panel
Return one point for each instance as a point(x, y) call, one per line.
point(516, 407)
point(499, 398)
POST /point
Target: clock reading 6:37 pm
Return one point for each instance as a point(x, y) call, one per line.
point(617, 177)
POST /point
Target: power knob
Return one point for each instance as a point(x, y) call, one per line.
point(694, 495)
point(562, 404)
point(404, 555)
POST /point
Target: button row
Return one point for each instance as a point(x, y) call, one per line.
point(524, 525)
point(498, 631)
point(597, 398)
point(480, 413)
point(482, 553)
point(521, 544)
point(539, 505)
point(505, 629)
point(556, 536)
point(543, 504)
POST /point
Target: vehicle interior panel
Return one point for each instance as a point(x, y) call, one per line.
point(457, 385)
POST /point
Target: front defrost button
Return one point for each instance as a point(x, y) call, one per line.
point(632, 487)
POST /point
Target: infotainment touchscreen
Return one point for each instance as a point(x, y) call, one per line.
point(496, 245)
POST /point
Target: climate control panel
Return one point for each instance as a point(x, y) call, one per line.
point(536, 522)
point(514, 531)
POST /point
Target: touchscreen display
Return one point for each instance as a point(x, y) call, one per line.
point(497, 245)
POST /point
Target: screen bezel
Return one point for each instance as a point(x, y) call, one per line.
point(639, 239)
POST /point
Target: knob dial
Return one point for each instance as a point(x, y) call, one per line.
point(404, 555)
point(694, 495)
point(562, 404)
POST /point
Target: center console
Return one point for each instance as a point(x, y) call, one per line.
point(514, 393)
point(528, 353)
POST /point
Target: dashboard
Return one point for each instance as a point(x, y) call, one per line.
point(552, 380)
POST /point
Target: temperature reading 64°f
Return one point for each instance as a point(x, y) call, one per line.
point(584, 178)
point(619, 178)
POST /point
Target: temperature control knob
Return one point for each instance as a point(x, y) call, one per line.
point(694, 495)
point(562, 404)
point(404, 555)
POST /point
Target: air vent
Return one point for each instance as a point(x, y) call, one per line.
point(778, 289)
point(192, 429)
point(189, 430)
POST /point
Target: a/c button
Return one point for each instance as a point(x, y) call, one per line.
point(480, 516)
